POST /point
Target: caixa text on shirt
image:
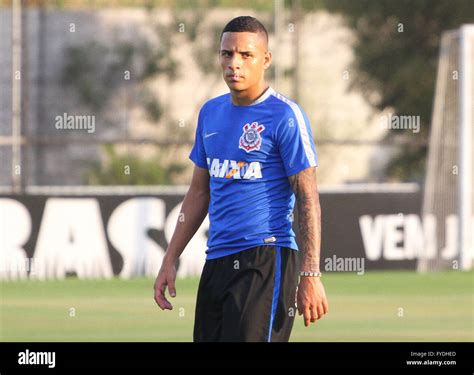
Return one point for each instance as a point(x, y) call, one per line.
point(234, 169)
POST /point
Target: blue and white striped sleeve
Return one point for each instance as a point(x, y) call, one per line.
point(295, 140)
point(198, 153)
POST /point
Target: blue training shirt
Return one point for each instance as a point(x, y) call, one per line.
point(250, 151)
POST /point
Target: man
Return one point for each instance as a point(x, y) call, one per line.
point(253, 154)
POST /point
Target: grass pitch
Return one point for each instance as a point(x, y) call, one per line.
point(377, 306)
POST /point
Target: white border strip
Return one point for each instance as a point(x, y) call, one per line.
point(101, 190)
point(183, 189)
point(301, 125)
point(370, 188)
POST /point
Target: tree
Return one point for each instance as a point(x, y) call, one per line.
point(131, 170)
point(396, 55)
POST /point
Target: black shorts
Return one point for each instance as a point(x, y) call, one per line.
point(248, 296)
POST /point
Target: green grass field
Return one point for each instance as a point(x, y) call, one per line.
point(378, 306)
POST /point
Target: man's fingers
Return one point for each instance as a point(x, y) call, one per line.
point(163, 302)
point(307, 316)
point(163, 294)
point(171, 288)
point(314, 314)
point(160, 298)
point(300, 309)
point(162, 287)
point(325, 306)
point(320, 311)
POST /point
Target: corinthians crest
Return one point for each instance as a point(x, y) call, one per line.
point(251, 139)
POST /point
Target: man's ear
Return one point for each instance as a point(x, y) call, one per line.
point(268, 60)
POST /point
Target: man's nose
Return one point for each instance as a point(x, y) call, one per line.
point(235, 62)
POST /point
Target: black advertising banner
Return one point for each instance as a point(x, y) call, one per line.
point(53, 236)
point(376, 229)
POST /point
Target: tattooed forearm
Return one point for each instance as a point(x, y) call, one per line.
point(305, 188)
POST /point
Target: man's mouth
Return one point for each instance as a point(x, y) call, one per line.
point(234, 77)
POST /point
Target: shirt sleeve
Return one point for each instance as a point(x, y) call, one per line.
point(295, 141)
point(198, 153)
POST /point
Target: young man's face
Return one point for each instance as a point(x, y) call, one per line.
point(244, 58)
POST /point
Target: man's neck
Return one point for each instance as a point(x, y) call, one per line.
point(244, 98)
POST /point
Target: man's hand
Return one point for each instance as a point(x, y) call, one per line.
point(194, 208)
point(166, 278)
point(311, 299)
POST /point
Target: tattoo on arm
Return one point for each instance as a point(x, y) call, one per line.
point(304, 186)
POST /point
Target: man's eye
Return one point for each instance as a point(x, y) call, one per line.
point(247, 55)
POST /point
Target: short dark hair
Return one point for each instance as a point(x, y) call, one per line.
point(245, 24)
